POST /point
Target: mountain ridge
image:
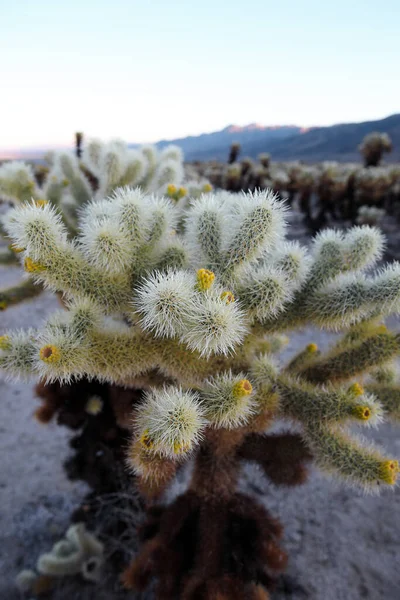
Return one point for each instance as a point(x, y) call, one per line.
point(284, 142)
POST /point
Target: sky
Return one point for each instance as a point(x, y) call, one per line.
point(163, 69)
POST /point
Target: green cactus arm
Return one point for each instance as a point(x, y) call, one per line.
point(338, 452)
point(311, 404)
point(25, 290)
point(340, 366)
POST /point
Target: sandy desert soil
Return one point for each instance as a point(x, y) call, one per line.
point(343, 545)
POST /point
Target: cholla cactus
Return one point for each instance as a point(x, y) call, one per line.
point(72, 184)
point(234, 152)
point(193, 318)
point(370, 215)
point(373, 146)
point(79, 552)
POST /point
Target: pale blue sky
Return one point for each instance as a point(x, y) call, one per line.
point(156, 69)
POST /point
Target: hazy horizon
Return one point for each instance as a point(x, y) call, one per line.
point(146, 72)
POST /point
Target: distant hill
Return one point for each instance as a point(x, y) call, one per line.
point(284, 142)
point(216, 144)
point(337, 142)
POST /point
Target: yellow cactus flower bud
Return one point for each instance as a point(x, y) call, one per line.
point(242, 388)
point(40, 203)
point(4, 342)
point(207, 187)
point(50, 354)
point(381, 329)
point(356, 390)
point(32, 267)
point(94, 405)
point(205, 279)
point(146, 440)
point(312, 348)
point(182, 192)
point(3, 305)
point(15, 248)
point(171, 190)
point(65, 182)
point(180, 448)
point(228, 297)
point(388, 471)
point(363, 413)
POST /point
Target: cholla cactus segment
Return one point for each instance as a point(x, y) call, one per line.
point(353, 459)
point(165, 301)
point(80, 552)
point(228, 400)
point(17, 180)
point(170, 422)
point(258, 223)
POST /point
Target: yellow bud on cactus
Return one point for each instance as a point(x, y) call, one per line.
point(40, 203)
point(356, 390)
point(146, 440)
point(363, 413)
point(205, 279)
point(94, 405)
point(50, 354)
point(182, 192)
point(242, 388)
point(388, 471)
point(32, 267)
point(15, 248)
point(312, 348)
point(207, 187)
point(3, 305)
point(4, 342)
point(171, 190)
point(65, 182)
point(381, 329)
point(180, 448)
point(228, 297)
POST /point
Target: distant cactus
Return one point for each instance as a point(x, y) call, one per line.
point(234, 152)
point(189, 307)
point(373, 146)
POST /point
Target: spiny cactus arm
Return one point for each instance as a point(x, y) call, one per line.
point(172, 256)
point(17, 353)
point(25, 290)
point(334, 255)
point(17, 180)
point(303, 359)
point(283, 456)
point(256, 223)
point(341, 365)
point(57, 263)
point(264, 292)
point(204, 231)
point(389, 397)
point(78, 183)
point(309, 404)
point(352, 298)
point(349, 457)
point(134, 169)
